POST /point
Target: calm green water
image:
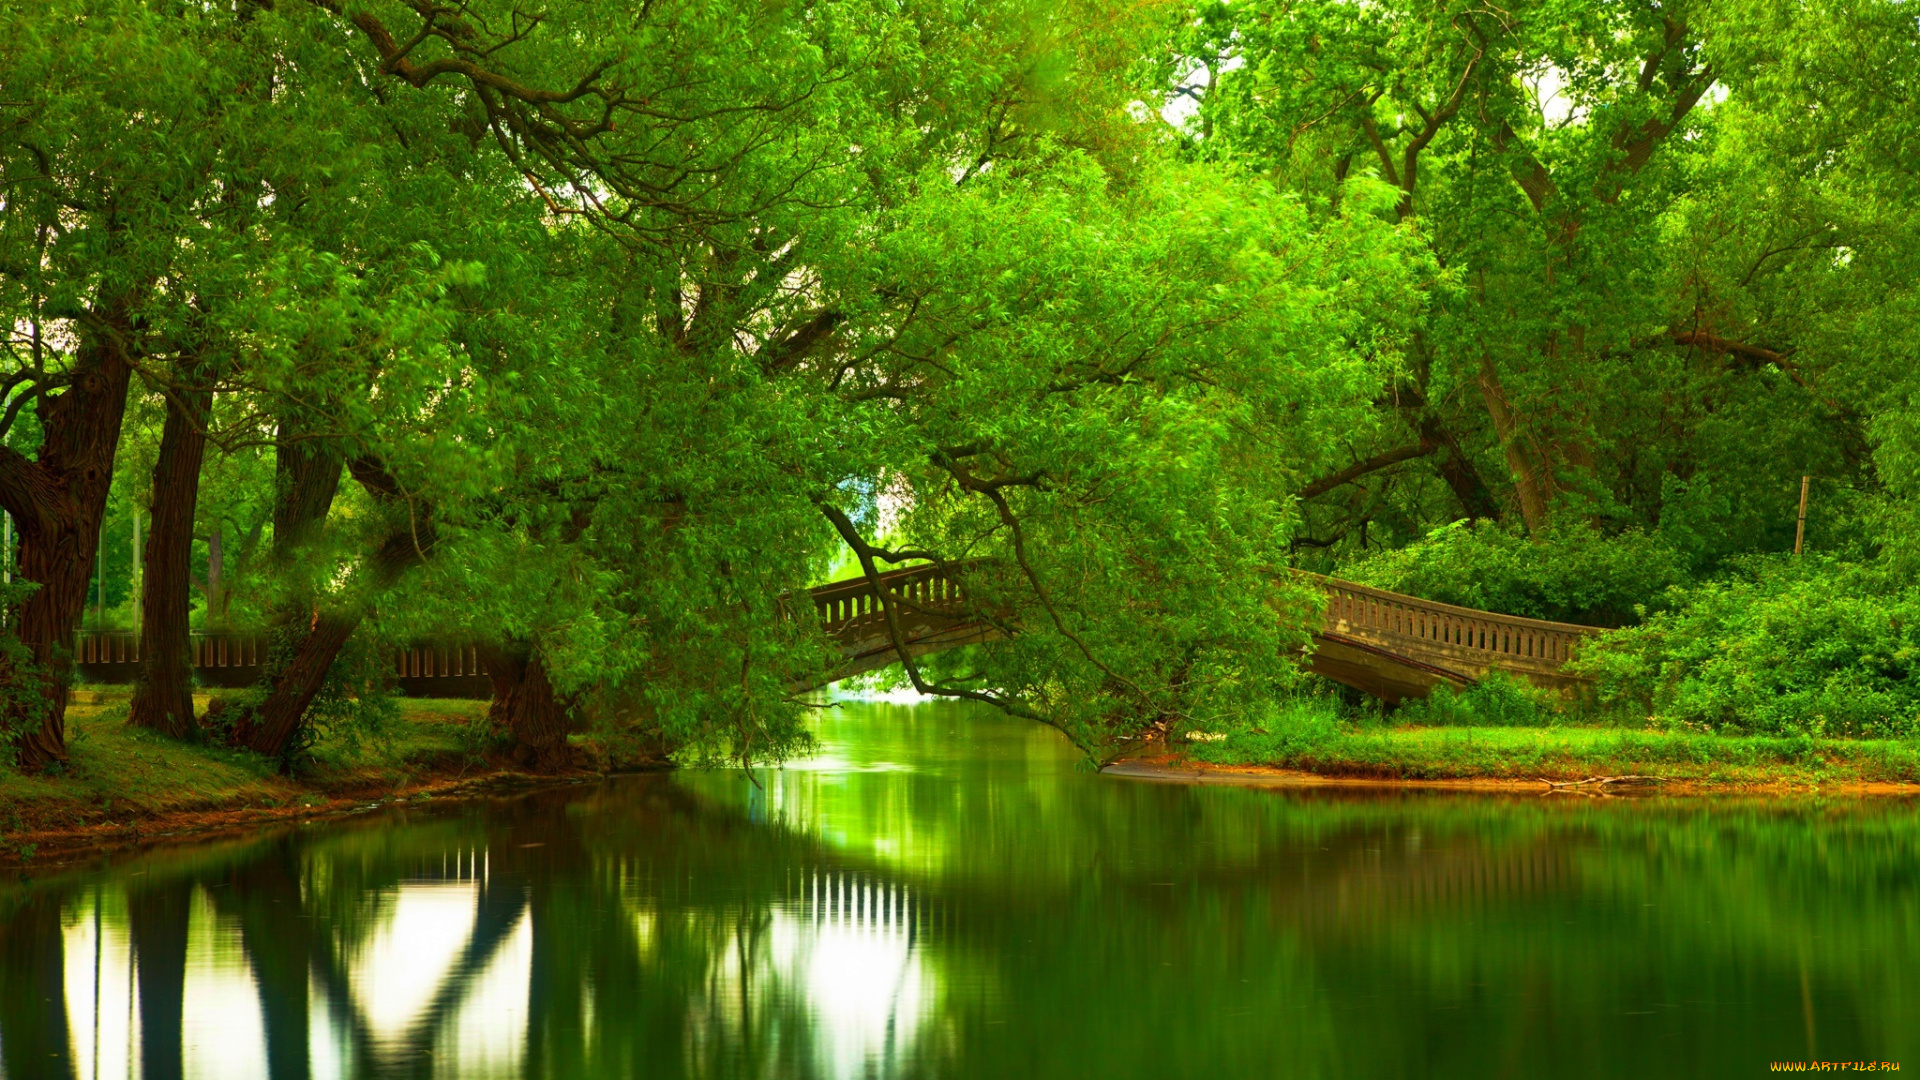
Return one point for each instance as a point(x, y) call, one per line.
point(943, 893)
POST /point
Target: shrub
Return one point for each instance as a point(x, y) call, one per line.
point(1784, 646)
point(1499, 700)
point(356, 704)
point(1568, 575)
point(1281, 730)
point(23, 702)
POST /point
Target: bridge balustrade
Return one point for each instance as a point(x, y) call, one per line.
point(1483, 638)
point(205, 650)
point(853, 603)
point(225, 658)
point(437, 662)
point(1426, 638)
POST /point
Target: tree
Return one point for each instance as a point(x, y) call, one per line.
point(100, 199)
point(1541, 151)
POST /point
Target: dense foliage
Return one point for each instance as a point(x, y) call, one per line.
point(1570, 575)
point(587, 334)
point(1783, 647)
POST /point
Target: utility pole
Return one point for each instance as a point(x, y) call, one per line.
point(1800, 529)
point(136, 570)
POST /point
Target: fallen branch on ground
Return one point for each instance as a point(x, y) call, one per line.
point(1605, 781)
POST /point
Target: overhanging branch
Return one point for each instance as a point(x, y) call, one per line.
point(1368, 466)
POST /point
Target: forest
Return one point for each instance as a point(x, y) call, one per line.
point(589, 333)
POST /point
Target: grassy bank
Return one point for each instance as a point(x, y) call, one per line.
point(1316, 735)
point(122, 783)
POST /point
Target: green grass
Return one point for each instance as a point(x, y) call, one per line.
point(1314, 736)
point(120, 774)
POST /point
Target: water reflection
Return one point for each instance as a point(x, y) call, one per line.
point(949, 895)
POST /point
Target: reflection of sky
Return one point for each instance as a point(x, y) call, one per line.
point(100, 1010)
point(419, 933)
point(845, 953)
point(395, 974)
point(851, 945)
point(221, 1030)
point(489, 1031)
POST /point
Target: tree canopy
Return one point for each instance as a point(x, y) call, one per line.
point(590, 333)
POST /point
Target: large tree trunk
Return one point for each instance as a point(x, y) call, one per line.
point(163, 698)
point(271, 728)
point(306, 480)
point(1453, 464)
point(57, 500)
point(1457, 470)
point(306, 477)
point(526, 706)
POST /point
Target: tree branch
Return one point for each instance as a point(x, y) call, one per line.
point(786, 352)
point(1370, 465)
point(866, 553)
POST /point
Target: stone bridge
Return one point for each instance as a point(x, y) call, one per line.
point(1387, 644)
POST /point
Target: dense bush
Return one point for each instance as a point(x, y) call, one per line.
point(1499, 700)
point(1277, 731)
point(1569, 575)
point(22, 700)
point(1783, 645)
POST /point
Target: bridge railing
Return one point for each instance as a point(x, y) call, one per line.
point(437, 662)
point(854, 604)
point(1453, 637)
point(1483, 637)
point(207, 649)
point(236, 656)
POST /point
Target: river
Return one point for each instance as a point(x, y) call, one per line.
point(944, 892)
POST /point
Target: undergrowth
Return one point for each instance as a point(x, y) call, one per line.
point(1504, 729)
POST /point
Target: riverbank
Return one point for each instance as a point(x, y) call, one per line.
point(1536, 758)
point(123, 786)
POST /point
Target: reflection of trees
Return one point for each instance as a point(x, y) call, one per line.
point(33, 1004)
point(279, 942)
point(664, 926)
point(157, 915)
point(628, 949)
point(1398, 931)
